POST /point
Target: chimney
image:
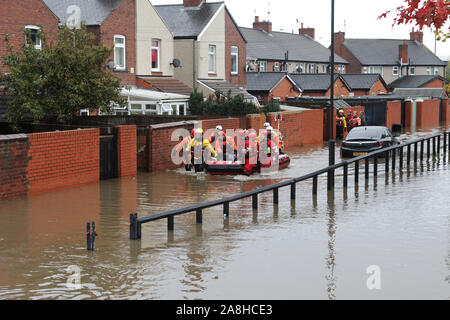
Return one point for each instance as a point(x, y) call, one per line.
point(262, 25)
point(192, 3)
point(416, 35)
point(403, 52)
point(309, 31)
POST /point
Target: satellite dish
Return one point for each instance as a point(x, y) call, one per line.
point(110, 65)
point(176, 63)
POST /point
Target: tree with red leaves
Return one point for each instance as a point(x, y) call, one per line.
point(424, 13)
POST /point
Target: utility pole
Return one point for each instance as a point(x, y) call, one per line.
point(331, 143)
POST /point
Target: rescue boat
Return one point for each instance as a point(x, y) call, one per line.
point(238, 168)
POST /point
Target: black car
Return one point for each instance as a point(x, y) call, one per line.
point(363, 140)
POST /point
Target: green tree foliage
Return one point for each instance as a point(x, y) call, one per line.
point(59, 80)
point(218, 105)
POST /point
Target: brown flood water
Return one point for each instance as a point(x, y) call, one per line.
point(316, 249)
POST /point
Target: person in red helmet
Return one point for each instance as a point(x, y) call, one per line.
point(222, 145)
point(251, 153)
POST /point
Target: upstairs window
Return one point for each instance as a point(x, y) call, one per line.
point(436, 71)
point(156, 44)
point(211, 59)
point(34, 33)
point(119, 52)
point(262, 66)
point(429, 71)
point(299, 68)
point(376, 69)
point(395, 71)
point(234, 60)
point(412, 71)
point(276, 66)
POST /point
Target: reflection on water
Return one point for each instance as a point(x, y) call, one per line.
point(315, 247)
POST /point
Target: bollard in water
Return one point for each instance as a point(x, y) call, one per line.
point(90, 235)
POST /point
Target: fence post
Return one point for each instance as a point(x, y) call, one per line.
point(255, 201)
point(394, 151)
point(170, 223)
point(428, 149)
point(386, 160)
point(356, 172)
point(439, 146)
point(275, 196)
point(401, 158)
point(314, 190)
point(90, 235)
point(408, 155)
point(226, 210)
point(375, 166)
point(293, 191)
point(422, 150)
point(415, 152)
point(199, 216)
point(434, 146)
point(345, 175)
point(133, 226)
point(445, 142)
point(367, 168)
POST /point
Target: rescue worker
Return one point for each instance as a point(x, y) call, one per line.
point(341, 124)
point(363, 117)
point(357, 119)
point(215, 134)
point(222, 144)
point(351, 122)
point(276, 137)
point(196, 144)
point(266, 156)
point(182, 146)
point(251, 153)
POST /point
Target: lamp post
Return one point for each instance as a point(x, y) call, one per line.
point(331, 143)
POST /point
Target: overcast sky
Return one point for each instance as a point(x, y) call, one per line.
point(358, 18)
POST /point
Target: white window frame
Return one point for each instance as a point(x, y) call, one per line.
point(235, 54)
point(297, 66)
point(276, 66)
point(262, 66)
point(429, 71)
point(412, 71)
point(211, 57)
point(395, 71)
point(123, 46)
point(36, 46)
point(372, 69)
point(158, 49)
point(436, 71)
point(312, 68)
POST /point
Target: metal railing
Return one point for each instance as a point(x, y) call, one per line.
point(390, 162)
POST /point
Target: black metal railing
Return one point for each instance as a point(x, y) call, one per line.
point(389, 153)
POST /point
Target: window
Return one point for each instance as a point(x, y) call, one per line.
point(262, 66)
point(276, 66)
point(311, 68)
point(234, 60)
point(34, 36)
point(412, 71)
point(284, 67)
point(299, 68)
point(436, 71)
point(119, 52)
point(376, 69)
point(429, 71)
point(211, 59)
point(395, 71)
point(156, 44)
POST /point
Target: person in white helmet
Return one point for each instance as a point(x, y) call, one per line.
point(266, 125)
point(215, 134)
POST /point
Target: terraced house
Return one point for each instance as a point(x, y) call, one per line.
point(392, 58)
point(209, 45)
point(274, 51)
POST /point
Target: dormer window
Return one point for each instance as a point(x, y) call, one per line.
point(35, 37)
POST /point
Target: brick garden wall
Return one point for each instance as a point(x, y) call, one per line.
point(127, 151)
point(13, 165)
point(63, 159)
point(428, 113)
point(393, 113)
point(446, 111)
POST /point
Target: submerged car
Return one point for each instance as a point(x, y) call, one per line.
point(363, 140)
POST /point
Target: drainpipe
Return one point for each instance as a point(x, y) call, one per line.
point(194, 64)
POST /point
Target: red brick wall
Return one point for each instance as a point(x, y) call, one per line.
point(408, 114)
point(378, 88)
point(299, 127)
point(437, 83)
point(428, 113)
point(283, 90)
point(127, 150)
point(15, 15)
point(354, 65)
point(446, 111)
point(63, 159)
point(393, 113)
point(13, 165)
point(234, 38)
point(122, 21)
point(340, 89)
point(228, 123)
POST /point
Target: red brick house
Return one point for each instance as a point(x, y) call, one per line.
point(114, 24)
point(268, 86)
point(365, 84)
point(17, 15)
point(318, 85)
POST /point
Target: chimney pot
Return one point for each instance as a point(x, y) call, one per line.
point(192, 3)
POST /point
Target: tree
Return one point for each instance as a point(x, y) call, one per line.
point(424, 13)
point(61, 79)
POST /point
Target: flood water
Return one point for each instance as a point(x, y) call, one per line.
point(315, 248)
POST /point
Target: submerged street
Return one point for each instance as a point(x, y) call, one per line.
point(317, 248)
